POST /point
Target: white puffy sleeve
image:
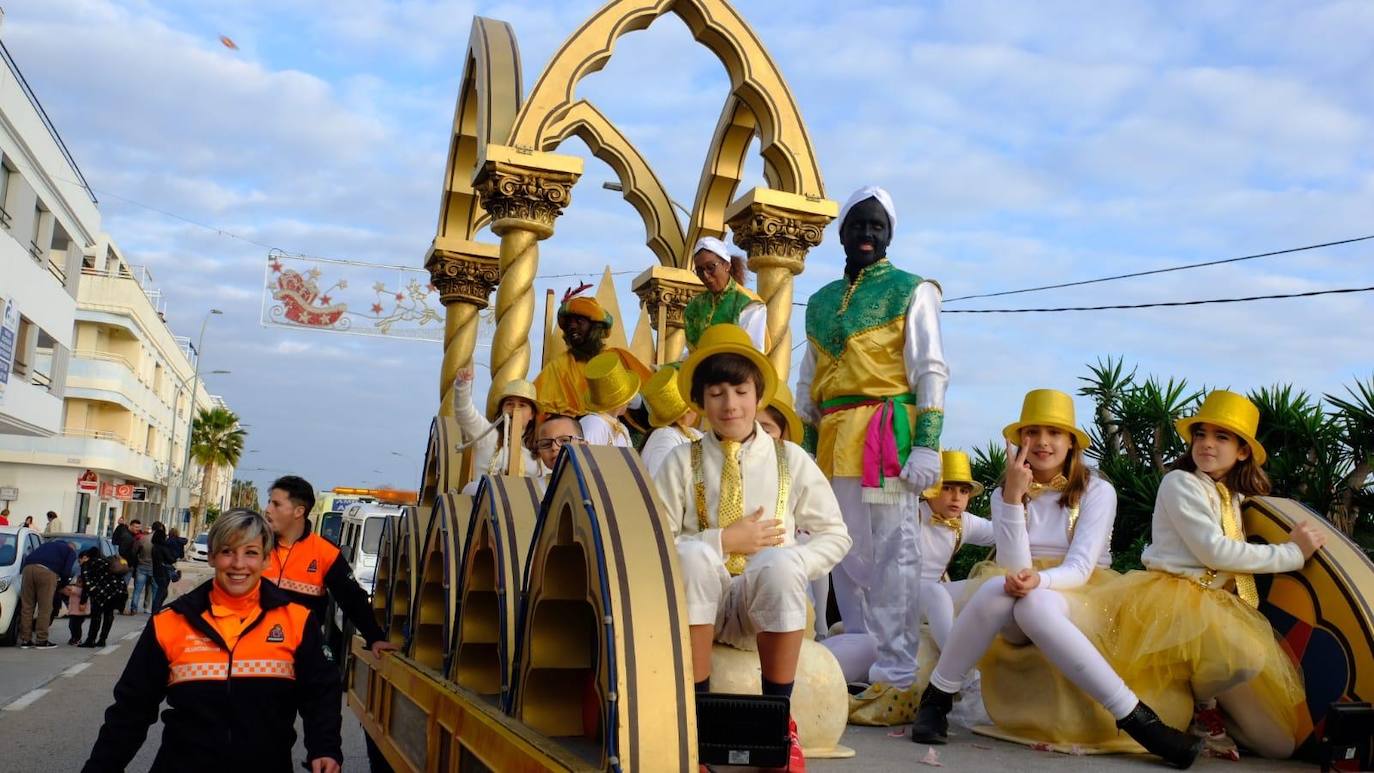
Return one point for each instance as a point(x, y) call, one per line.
point(656, 449)
point(923, 351)
point(1182, 501)
point(754, 320)
point(675, 488)
point(596, 431)
point(978, 530)
point(801, 399)
point(815, 510)
point(1010, 534)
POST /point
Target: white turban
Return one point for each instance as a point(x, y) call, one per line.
point(713, 245)
point(871, 192)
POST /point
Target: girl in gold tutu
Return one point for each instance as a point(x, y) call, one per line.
point(1192, 616)
point(1052, 522)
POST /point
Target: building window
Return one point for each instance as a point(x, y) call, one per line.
point(5, 171)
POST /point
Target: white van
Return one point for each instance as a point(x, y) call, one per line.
point(360, 538)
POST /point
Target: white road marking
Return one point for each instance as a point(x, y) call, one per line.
point(26, 699)
point(107, 650)
point(132, 635)
point(76, 669)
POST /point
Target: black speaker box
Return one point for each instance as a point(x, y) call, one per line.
point(743, 730)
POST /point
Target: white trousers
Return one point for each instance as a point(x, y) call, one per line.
point(770, 596)
point(877, 585)
point(1042, 618)
point(937, 608)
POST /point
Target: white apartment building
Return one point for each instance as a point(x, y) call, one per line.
point(95, 416)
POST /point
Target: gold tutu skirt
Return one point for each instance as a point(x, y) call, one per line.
point(1031, 702)
point(1169, 630)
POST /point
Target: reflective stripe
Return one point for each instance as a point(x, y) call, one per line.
point(300, 587)
point(194, 672)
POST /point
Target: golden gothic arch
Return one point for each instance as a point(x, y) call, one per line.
point(789, 162)
point(641, 187)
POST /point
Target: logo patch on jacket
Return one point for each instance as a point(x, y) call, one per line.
point(277, 634)
point(314, 566)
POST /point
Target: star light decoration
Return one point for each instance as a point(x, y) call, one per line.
point(376, 308)
point(275, 265)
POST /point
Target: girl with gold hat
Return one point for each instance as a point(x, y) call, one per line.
point(1192, 614)
point(490, 449)
point(734, 500)
point(1052, 522)
point(779, 419)
point(610, 388)
point(673, 420)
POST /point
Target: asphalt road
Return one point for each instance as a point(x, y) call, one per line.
point(52, 704)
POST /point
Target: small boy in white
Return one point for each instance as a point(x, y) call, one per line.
point(945, 526)
point(734, 499)
point(610, 389)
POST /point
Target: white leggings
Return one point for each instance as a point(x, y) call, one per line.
point(937, 607)
point(1042, 617)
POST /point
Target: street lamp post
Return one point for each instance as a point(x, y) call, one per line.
point(191, 413)
point(410, 459)
point(172, 439)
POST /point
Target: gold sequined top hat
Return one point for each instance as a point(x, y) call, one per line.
point(517, 387)
point(782, 401)
point(609, 383)
point(663, 398)
point(726, 339)
point(1046, 408)
point(954, 468)
point(1229, 411)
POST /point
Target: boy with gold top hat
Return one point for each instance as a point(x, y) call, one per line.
point(946, 525)
point(734, 500)
point(562, 384)
point(610, 388)
point(673, 420)
point(490, 449)
point(873, 382)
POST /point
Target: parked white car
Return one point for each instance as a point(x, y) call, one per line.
point(199, 549)
point(16, 543)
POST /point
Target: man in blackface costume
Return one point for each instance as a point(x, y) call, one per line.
point(561, 386)
point(873, 382)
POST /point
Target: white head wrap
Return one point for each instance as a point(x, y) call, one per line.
point(871, 192)
point(713, 245)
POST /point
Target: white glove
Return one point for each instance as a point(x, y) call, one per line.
point(922, 468)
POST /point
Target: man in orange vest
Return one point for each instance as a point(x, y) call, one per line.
point(309, 568)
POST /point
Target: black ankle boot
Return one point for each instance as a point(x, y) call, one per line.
point(1175, 747)
point(932, 723)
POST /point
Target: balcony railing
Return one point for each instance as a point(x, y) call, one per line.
point(5, 217)
point(95, 354)
point(57, 270)
point(96, 434)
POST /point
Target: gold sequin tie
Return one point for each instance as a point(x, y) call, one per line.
point(1058, 484)
point(1230, 527)
point(731, 507)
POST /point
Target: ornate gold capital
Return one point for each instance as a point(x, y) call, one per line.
point(525, 190)
point(777, 229)
point(670, 288)
point(467, 274)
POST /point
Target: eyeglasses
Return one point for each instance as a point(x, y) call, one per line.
point(709, 268)
point(544, 444)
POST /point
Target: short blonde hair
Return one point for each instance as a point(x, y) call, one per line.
point(238, 526)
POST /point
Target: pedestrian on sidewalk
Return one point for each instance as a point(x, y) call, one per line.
point(79, 598)
point(28, 522)
point(143, 572)
point(164, 567)
point(104, 580)
point(44, 572)
point(5, 517)
point(127, 543)
point(234, 659)
point(54, 524)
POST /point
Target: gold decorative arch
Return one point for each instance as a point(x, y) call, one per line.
point(641, 187)
point(755, 80)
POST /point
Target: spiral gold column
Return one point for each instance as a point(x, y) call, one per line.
point(524, 192)
point(777, 229)
point(464, 272)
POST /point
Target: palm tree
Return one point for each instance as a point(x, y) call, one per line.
point(244, 493)
point(216, 441)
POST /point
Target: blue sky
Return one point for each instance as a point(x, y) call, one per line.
point(1024, 143)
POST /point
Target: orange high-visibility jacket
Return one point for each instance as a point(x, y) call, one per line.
point(230, 708)
point(311, 570)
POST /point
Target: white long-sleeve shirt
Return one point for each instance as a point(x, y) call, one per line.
point(1187, 538)
point(598, 429)
point(754, 320)
point(474, 424)
point(938, 541)
point(1041, 530)
point(811, 504)
point(661, 441)
point(923, 355)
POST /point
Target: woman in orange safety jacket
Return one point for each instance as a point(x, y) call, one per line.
point(235, 660)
